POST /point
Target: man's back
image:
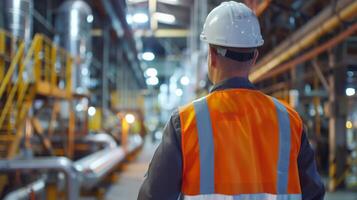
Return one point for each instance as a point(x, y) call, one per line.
point(245, 138)
point(250, 139)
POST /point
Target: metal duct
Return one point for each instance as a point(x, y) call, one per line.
point(86, 172)
point(74, 24)
point(327, 20)
point(18, 18)
point(23, 193)
point(53, 163)
point(95, 166)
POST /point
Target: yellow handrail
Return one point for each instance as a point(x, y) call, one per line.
point(15, 62)
point(51, 65)
point(12, 68)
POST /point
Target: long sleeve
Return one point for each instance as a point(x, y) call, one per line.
point(312, 187)
point(163, 180)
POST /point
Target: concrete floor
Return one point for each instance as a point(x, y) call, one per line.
point(130, 180)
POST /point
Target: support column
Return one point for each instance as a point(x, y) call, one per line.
point(105, 67)
point(337, 127)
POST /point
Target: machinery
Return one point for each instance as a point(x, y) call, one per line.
point(48, 149)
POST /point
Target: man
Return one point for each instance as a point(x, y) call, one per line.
point(235, 143)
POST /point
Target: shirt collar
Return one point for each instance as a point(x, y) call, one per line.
point(233, 83)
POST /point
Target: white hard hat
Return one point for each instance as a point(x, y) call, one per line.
point(232, 24)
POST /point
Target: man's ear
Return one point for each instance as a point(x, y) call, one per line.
point(213, 56)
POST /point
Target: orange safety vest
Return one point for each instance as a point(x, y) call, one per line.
point(240, 144)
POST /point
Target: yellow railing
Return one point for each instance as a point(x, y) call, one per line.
point(23, 73)
point(52, 65)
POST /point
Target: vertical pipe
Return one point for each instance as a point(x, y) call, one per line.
point(105, 67)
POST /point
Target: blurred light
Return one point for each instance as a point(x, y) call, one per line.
point(152, 80)
point(348, 124)
point(130, 118)
point(91, 111)
point(136, 1)
point(150, 72)
point(178, 92)
point(148, 56)
point(140, 18)
point(202, 83)
point(129, 19)
point(85, 71)
point(350, 91)
point(79, 107)
point(165, 18)
point(90, 18)
point(350, 73)
point(158, 135)
point(185, 80)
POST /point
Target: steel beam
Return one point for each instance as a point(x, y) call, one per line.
point(310, 54)
point(327, 20)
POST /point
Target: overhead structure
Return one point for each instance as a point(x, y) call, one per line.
point(327, 20)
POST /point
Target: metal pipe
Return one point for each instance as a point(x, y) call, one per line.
point(311, 54)
point(262, 7)
point(61, 164)
point(94, 167)
point(330, 18)
point(23, 193)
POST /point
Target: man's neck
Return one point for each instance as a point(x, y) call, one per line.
point(222, 76)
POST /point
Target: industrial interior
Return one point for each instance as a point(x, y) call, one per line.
point(87, 86)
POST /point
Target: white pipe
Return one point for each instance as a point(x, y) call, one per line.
point(61, 164)
point(23, 193)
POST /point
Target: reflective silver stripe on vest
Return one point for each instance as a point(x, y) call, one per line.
point(284, 147)
point(206, 147)
point(264, 196)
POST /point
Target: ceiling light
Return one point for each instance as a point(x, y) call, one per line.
point(91, 111)
point(151, 72)
point(185, 80)
point(130, 118)
point(90, 18)
point(136, 1)
point(178, 92)
point(165, 18)
point(175, 2)
point(140, 18)
point(148, 56)
point(152, 80)
point(350, 91)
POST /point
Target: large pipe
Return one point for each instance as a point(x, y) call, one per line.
point(330, 18)
point(18, 18)
point(23, 193)
point(61, 164)
point(86, 172)
point(94, 167)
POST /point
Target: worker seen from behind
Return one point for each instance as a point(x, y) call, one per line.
point(236, 142)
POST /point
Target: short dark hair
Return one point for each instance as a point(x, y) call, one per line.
point(237, 54)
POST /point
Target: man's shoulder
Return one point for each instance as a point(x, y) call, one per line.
point(189, 107)
point(292, 112)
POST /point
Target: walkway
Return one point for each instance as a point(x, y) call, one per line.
point(130, 180)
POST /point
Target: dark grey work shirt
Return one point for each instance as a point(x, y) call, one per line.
point(163, 180)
